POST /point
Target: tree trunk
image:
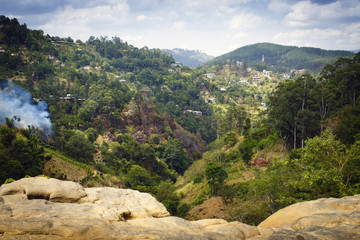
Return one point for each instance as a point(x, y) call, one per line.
point(295, 137)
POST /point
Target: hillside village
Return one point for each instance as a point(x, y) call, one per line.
point(250, 136)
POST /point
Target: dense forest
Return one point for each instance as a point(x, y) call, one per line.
point(282, 58)
point(134, 118)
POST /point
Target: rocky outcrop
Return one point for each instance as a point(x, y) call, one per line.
point(326, 218)
point(41, 208)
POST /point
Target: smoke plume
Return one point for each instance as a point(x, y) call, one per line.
point(15, 100)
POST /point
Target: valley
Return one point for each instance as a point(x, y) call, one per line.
point(251, 131)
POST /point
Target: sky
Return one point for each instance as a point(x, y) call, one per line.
point(214, 27)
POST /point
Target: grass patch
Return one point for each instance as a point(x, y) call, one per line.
point(68, 159)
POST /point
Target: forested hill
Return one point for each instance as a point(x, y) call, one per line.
point(282, 57)
point(190, 58)
point(131, 117)
point(132, 98)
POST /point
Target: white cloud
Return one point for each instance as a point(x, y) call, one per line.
point(324, 38)
point(81, 22)
point(278, 6)
point(179, 25)
point(244, 20)
point(130, 38)
point(305, 13)
point(351, 37)
point(240, 35)
point(315, 33)
point(141, 17)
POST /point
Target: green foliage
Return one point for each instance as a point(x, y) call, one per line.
point(234, 119)
point(165, 193)
point(323, 168)
point(293, 110)
point(138, 176)
point(246, 149)
point(200, 198)
point(230, 138)
point(198, 179)
point(80, 148)
point(299, 109)
point(175, 156)
point(216, 176)
point(282, 56)
point(349, 127)
point(67, 159)
point(183, 210)
point(328, 166)
point(19, 156)
point(91, 134)
point(9, 180)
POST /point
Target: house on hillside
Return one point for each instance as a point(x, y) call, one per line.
point(267, 73)
point(285, 76)
point(210, 75)
point(243, 82)
point(263, 105)
point(199, 113)
point(86, 67)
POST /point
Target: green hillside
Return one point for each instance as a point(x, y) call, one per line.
point(282, 57)
point(256, 139)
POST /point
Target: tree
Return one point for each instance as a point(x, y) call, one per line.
point(325, 96)
point(246, 149)
point(138, 176)
point(91, 134)
point(216, 176)
point(293, 110)
point(328, 167)
point(165, 193)
point(234, 119)
point(175, 156)
point(80, 148)
point(349, 128)
point(88, 110)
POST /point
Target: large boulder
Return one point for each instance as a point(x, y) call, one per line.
point(325, 218)
point(41, 208)
point(44, 188)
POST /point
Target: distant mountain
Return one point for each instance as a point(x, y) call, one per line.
point(190, 58)
point(284, 57)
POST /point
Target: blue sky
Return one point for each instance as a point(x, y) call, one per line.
point(211, 26)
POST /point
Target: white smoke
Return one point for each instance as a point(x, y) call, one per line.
point(14, 100)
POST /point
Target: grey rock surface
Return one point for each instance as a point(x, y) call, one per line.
point(41, 208)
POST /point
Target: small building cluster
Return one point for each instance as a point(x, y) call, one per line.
point(70, 97)
point(199, 113)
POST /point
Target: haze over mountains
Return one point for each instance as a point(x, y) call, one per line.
point(190, 58)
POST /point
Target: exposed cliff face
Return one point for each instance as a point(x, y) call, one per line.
point(41, 208)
